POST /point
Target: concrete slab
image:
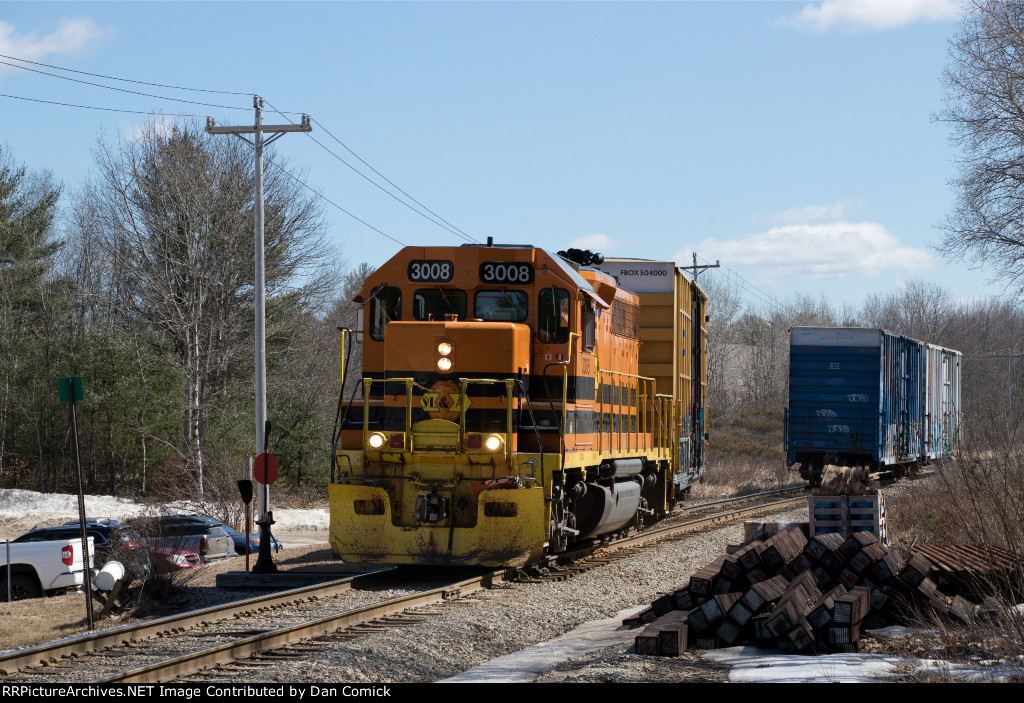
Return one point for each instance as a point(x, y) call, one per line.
point(286, 579)
point(528, 664)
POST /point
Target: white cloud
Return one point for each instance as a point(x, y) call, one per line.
point(809, 214)
point(595, 242)
point(870, 15)
point(160, 126)
point(833, 250)
point(70, 37)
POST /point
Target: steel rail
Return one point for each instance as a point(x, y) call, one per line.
point(195, 661)
point(42, 654)
point(656, 533)
point(724, 501)
point(558, 562)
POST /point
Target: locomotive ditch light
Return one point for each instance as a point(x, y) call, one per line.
point(493, 443)
point(445, 348)
point(444, 364)
point(376, 440)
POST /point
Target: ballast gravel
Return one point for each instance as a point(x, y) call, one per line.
point(487, 624)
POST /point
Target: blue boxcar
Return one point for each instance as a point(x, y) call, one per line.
point(857, 397)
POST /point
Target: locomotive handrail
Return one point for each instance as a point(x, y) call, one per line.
point(509, 384)
point(640, 407)
point(536, 432)
point(368, 386)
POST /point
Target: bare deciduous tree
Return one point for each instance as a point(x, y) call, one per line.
point(174, 213)
point(984, 106)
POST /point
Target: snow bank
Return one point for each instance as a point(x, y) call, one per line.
point(16, 504)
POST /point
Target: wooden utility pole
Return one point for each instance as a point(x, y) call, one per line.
point(258, 130)
point(695, 269)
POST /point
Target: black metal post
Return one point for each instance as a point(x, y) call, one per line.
point(81, 505)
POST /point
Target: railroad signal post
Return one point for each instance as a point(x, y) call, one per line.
point(265, 471)
point(258, 130)
point(69, 390)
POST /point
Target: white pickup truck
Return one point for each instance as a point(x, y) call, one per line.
point(54, 566)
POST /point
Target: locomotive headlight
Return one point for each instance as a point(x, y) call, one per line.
point(376, 440)
point(445, 348)
point(444, 364)
point(493, 443)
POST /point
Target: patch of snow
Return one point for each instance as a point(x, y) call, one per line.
point(753, 665)
point(526, 665)
point(900, 631)
point(983, 672)
point(18, 504)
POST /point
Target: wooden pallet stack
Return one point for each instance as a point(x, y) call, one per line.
point(796, 595)
point(847, 514)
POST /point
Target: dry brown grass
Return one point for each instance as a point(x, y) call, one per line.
point(974, 498)
point(26, 623)
point(745, 454)
point(740, 476)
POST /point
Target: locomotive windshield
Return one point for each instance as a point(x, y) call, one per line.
point(439, 303)
point(500, 305)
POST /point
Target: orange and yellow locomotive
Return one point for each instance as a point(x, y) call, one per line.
point(513, 402)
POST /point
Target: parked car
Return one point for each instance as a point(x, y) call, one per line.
point(168, 558)
point(254, 541)
point(184, 535)
point(40, 567)
point(110, 542)
point(108, 521)
point(237, 537)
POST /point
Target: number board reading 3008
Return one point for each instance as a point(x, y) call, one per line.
point(506, 272)
point(431, 271)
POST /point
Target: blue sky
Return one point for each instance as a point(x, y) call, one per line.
point(793, 141)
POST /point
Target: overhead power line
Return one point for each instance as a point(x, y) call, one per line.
point(317, 193)
point(393, 185)
point(94, 107)
point(126, 80)
point(170, 114)
point(439, 221)
point(120, 90)
point(761, 295)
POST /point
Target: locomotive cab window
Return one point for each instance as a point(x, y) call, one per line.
point(384, 307)
point(553, 316)
point(589, 326)
point(439, 304)
point(500, 305)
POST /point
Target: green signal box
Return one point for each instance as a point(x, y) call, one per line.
point(70, 388)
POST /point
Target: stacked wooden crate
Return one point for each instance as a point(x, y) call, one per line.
point(796, 594)
point(847, 514)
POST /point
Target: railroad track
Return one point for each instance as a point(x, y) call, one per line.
point(681, 524)
point(176, 645)
point(238, 636)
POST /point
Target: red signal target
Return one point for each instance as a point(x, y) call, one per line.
point(265, 468)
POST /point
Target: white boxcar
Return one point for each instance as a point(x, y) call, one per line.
point(942, 416)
